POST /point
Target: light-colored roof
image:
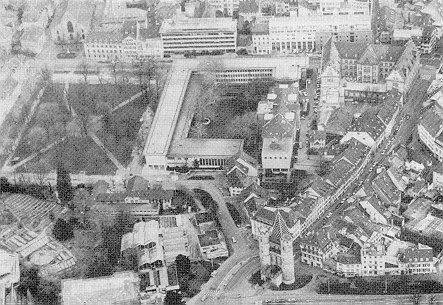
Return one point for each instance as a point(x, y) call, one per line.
point(205, 147)
point(198, 24)
point(405, 34)
point(165, 119)
point(120, 288)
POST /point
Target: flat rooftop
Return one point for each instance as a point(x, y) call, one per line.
point(167, 112)
point(188, 147)
point(198, 24)
point(161, 134)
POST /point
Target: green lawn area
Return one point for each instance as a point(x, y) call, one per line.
point(78, 155)
point(52, 96)
point(120, 129)
point(91, 95)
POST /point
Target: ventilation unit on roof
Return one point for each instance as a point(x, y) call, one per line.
point(272, 96)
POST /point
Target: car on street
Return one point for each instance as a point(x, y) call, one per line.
point(201, 178)
point(65, 55)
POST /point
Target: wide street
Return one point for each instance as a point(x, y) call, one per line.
point(243, 250)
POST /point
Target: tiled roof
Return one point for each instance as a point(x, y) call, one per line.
point(320, 186)
point(384, 184)
point(265, 215)
point(348, 259)
point(326, 53)
point(105, 35)
point(390, 105)
point(209, 238)
point(420, 253)
point(255, 189)
point(204, 217)
point(234, 180)
point(319, 239)
point(369, 57)
point(350, 50)
point(306, 206)
point(260, 28)
point(432, 122)
point(278, 127)
point(279, 228)
point(130, 28)
point(339, 121)
point(370, 123)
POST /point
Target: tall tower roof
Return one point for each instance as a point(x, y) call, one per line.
point(279, 228)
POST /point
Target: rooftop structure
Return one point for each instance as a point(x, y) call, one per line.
point(121, 288)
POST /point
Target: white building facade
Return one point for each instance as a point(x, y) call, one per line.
point(198, 34)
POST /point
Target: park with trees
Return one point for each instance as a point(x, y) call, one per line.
point(67, 117)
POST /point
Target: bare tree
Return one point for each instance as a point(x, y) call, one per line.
point(85, 70)
point(99, 76)
point(198, 130)
point(37, 138)
point(74, 128)
point(243, 127)
point(52, 119)
point(114, 70)
point(46, 75)
point(416, 298)
point(40, 171)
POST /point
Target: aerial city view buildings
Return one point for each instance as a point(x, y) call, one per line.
point(221, 152)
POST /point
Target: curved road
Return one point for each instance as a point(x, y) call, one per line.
point(242, 252)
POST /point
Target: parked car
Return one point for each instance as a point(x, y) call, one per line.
point(233, 239)
point(66, 55)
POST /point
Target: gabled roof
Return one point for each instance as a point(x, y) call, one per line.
point(350, 50)
point(278, 127)
point(369, 57)
point(81, 11)
point(279, 228)
point(130, 29)
point(256, 190)
point(265, 215)
point(370, 123)
point(432, 122)
point(339, 121)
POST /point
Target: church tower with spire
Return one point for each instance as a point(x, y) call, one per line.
point(276, 231)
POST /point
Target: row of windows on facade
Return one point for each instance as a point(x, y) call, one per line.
point(196, 34)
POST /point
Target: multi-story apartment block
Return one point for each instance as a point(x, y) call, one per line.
point(309, 32)
point(183, 35)
point(227, 7)
point(419, 259)
point(357, 70)
point(330, 7)
point(279, 116)
point(315, 248)
point(128, 43)
point(430, 130)
point(429, 39)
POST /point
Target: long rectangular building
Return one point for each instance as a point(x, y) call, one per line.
point(290, 34)
point(181, 36)
point(165, 147)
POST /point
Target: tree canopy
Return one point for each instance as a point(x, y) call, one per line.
point(64, 186)
point(63, 230)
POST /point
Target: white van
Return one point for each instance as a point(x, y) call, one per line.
point(233, 239)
